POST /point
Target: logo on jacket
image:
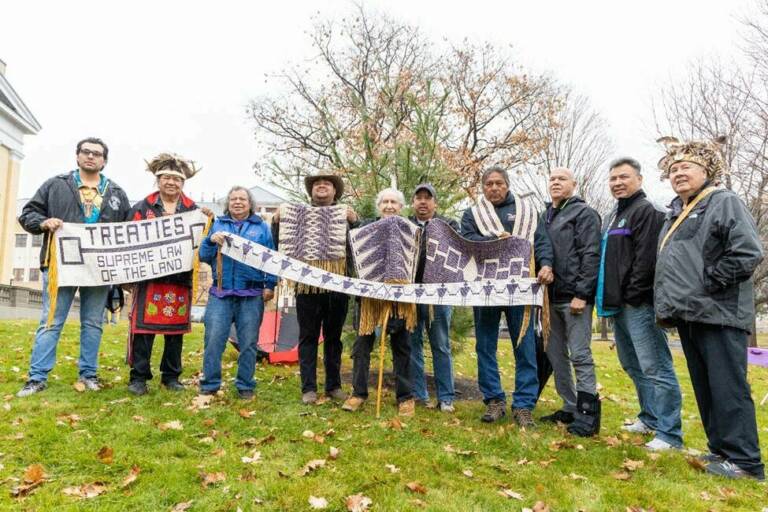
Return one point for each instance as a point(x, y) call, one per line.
point(622, 223)
point(114, 202)
point(511, 218)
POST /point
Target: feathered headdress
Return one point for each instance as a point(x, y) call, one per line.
point(706, 153)
point(173, 164)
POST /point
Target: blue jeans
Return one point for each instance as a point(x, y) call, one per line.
point(246, 313)
point(437, 330)
point(645, 356)
point(487, 321)
point(93, 300)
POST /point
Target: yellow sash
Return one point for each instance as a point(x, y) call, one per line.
point(704, 193)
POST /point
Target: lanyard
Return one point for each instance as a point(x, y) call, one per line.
point(704, 193)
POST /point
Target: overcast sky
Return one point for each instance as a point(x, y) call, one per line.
point(152, 76)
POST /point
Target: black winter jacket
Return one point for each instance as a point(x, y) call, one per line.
point(704, 272)
point(574, 229)
point(423, 243)
point(542, 245)
point(630, 253)
point(59, 198)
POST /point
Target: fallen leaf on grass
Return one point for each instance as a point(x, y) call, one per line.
point(539, 506)
point(308, 434)
point(333, 453)
point(696, 463)
point(416, 487)
point(560, 445)
point(632, 465)
point(705, 496)
point(106, 454)
point(468, 473)
point(726, 492)
point(318, 502)
point(395, 424)
point(245, 413)
point(70, 419)
point(212, 478)
point(358, 503)
point(79, 386)
point(201, 402)
point(254, 458)
point(450, 449)
point(509, 493)
point(523, 461)
point(392, 468)
point(182, 507)
point(545, 463)
point(132, 476)
point(419, 503)
point(171, 425)
point(138, 419)
point(654, 456)
point(621, 475)
point(311, 466)
point(612, 441)
point(34, 476)
point(86, 491)
point(574, 476)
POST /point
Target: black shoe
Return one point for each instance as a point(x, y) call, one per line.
point(245, 394)
point(730, 470)
point(208, 392)
point(711, 457)
point(494, 411)
point(174, 385)
point(559, 417)
point(586, 421)
point(138, 387)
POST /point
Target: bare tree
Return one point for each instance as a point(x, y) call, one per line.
point(716, 99)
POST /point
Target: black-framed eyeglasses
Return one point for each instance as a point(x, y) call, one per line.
point(94, 154)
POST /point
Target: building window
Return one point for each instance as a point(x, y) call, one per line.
point(34, 275)
point(37, 240)
point(18, 274)
point(21, 241)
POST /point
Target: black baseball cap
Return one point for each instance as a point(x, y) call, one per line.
point(425, 186)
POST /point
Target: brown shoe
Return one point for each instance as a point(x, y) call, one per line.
point(523, 418)
point(309, 398)
point(353, 403)
point(336, 394)
point(494, 411)
point(406, 408)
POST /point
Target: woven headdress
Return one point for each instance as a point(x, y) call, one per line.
point(706, 153)
point(173, 164)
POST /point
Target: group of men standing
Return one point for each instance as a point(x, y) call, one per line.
point(690, 269)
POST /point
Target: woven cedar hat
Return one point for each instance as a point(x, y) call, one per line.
point(706, 153)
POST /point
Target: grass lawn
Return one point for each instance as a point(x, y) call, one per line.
point(185, 453)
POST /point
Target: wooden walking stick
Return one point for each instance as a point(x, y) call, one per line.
point(381, 362)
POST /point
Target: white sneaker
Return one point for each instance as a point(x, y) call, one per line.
point(447, 407)
point(658, 445)
point(91, 383)
point(638, 427)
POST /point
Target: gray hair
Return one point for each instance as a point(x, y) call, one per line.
point(398, 195)
point(625, 160)
point(494, 169)
point(251, 201)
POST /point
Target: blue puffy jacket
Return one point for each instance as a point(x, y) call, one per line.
point(236, 275)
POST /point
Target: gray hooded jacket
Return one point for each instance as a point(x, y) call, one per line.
point(704, 272)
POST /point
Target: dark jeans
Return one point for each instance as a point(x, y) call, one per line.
point(170, 364)
point(400, 341)
point(717, 362)
point(315, 311)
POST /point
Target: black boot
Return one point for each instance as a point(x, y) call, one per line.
point(587, 417)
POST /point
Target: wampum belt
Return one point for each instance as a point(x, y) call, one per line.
point(512, 292)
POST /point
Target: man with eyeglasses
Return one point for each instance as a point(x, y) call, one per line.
point(84, 195)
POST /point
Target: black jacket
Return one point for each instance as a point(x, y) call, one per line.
point(704, 272)
point(152, 207)
point(423, 243)
point(630, 252)
point(574, 229)
point(59, 198)
point(542, 245)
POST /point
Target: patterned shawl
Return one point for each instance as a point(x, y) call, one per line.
point(385, 251)
point(452, 259)
point(316, 235)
